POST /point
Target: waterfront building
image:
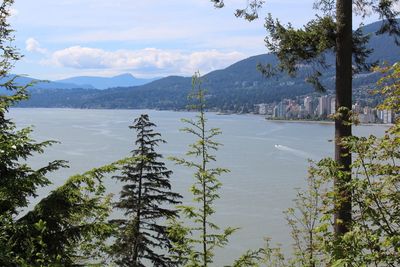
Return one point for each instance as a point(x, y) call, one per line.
point(356, 108)
point(280, 110)
point(332, 106)
point(323, 106)
point(388, 116)
point(262, 109)
point(367, 116)
point(308, 106)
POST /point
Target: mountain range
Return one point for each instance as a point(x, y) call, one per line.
point(84, 82)
point(123, 80)
point(236, 88)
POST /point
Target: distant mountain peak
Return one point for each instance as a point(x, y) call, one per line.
point(124, 75)
point(121, 80)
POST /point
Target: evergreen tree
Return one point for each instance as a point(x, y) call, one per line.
point(145, 197)
point(18, 181)
point(202, 231)
point(69, 227)
point(373, 238)
point(63, 227)
point(331, 32)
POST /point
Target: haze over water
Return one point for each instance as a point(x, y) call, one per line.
point(267, 160)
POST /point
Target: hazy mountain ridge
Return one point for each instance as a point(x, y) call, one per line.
point(44, 84)
point(83, 82)
point(236, 88)
point(123, 80)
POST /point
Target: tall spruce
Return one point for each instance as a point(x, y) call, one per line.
point(195, 243)
point(146, 199)
point(331, 32)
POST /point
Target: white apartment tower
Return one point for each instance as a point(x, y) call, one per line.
point(333, 106)
point(308, 105)
point(323, 105)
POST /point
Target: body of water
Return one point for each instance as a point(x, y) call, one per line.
point(267, 160)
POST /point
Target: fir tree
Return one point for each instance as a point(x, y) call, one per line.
point(202, 231)
point(145, 197)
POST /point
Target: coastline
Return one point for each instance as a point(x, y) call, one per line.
point(328, 122)
point(302, 121)
point(215, 112)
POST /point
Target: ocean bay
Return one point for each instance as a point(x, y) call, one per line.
point(267, 159)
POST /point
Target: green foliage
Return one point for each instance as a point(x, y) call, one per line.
point(373, 238)
point(333, 32)
point(310, 45)
point(145, 199)
point(18, 180)
point(64, 228)
point(68, 227)
point(305, 45)
point(250, 259)
point(375, 234)
point(304, 221)
point(294, 47)
point(298, 46)
point(249, 12)
point(195, 244)
point(389, 86)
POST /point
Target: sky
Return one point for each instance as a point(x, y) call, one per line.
point(146, 38)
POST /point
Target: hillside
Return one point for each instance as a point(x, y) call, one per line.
point(236, 88)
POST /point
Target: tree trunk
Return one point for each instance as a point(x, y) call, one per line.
point(344, 43)
point(139, 208)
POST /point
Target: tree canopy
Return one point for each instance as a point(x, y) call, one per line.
point(147, 201)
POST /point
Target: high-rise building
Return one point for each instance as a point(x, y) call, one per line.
point(308, 105)
point(280, 110)
point(367, 116)
point(323, 105)
point(356, 108)
point(332, 109)
point(387, 116)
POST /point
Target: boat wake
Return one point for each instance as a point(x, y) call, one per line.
point(293, 151)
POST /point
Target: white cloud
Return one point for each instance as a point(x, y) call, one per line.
point(32, 45)
point(150, 60)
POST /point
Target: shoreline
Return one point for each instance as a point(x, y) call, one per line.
point(215, 112)
point(301, 121)
point(328, 122)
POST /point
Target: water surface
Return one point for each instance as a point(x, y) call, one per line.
point(267, 160)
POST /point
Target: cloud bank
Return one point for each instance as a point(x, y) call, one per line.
point(32, 45)
point(148, 60)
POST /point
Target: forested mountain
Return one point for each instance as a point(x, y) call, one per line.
point(236, 88)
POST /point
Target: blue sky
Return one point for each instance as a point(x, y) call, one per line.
point(147, 38)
